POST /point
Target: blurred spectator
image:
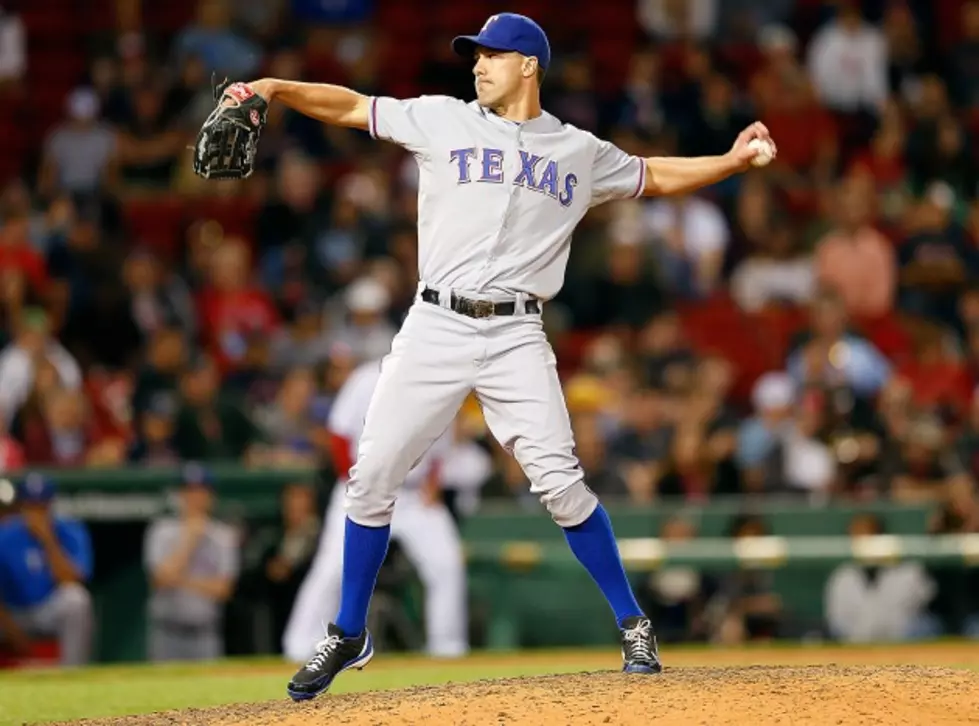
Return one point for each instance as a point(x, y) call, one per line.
point(571, 95)
point(254, 382)
point(208, 426)
point(939, 382)
point(442, 73)
point(690, 236)
point(365, 327)
point(286, 425)
point(884, 161)
point(153, 445)
point(643, 446)
point(848, 62)
point(340, 12)
point(20, 360)
point(216, 43)
point(677, 595)
point(160, 373)
point(808, 464)
point(13, 51)
point(745, 606)
point(919, 467)
point(67, 435)
point(830, 356)
point(281, 556)
point(189, 99)
point(963, 58)
point(79, 155)
point(625, 291)
point(667, 361)
point(231, 307)
point(967, 444)
point(705, 439)
point(466, 464)
point(45, 561)
point(23, 273)
point(906, 53)
point(940, 150)
point(717, 121)
point(304, 341)
point(638, 104)
point(856, 260)
point(155, 302)
point(192, 561)
point(600, 473)
point(12, 456)
point(778, 272)
point(876, 602)
point(148, 145)
point(679, 19)
point(936, 259)
point(759, 437)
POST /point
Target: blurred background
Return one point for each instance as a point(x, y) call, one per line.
point(773, 383)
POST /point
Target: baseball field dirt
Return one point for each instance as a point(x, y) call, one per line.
point(761, 687)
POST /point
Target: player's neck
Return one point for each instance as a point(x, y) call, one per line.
point(519, 110)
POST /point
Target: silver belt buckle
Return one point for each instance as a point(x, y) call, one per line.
point(482, 308)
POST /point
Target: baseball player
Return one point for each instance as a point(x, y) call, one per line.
point(502, 186)
point(422, 524)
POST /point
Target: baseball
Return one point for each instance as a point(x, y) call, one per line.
point(766, 152)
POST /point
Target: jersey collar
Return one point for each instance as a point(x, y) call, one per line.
point(544, 122)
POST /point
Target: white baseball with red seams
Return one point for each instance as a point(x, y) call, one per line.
point(498, 201)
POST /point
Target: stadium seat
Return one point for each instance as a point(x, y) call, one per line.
point(42, 653)
point(156, 223)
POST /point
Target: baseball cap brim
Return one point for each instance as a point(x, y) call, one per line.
point(465, 45)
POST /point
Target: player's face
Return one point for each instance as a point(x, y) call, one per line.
point(498, 75)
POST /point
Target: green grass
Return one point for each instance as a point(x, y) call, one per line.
point(45, 696)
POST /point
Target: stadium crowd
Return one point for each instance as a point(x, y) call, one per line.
point(808, 330)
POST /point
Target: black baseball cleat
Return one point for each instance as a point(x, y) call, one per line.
point(639, 652)
point(334, 655)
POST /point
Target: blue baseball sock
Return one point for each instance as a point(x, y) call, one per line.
point(364, 549)
point(593, 543)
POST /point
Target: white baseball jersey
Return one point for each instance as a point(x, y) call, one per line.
point(498, 200)
point(350, 410)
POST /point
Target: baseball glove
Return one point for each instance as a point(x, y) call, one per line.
point(227, 141)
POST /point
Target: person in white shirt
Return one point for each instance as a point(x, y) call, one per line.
point(691, 236)
point(13, 52)
point(18, 363)
point(777, 274)
point(877, 603)
point(848, 63)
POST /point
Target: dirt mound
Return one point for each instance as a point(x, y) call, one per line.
point(760, 696)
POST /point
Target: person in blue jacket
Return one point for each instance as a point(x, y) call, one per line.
point(45, 561)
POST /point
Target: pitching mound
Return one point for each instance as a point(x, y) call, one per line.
point(760, 696)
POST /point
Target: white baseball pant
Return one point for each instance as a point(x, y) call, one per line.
point(430, 540)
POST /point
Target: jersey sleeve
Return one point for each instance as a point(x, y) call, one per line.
point(411, 123)
point(616, 174)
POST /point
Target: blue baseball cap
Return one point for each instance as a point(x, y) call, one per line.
point(508, 32)
point(36, 488)
point(196, 476)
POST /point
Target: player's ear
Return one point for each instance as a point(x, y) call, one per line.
point(529, 67)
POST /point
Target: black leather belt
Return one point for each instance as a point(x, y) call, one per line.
point(479, 308)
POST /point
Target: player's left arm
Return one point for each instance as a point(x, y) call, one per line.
point(668, 175)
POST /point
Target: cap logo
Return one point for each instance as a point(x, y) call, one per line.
point(492, 19)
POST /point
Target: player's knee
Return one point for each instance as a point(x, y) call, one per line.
point(369, 497)
point(74, 601)
point(570, 506)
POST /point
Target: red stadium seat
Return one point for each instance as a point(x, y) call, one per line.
point(156, 223)
point(236, 215)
